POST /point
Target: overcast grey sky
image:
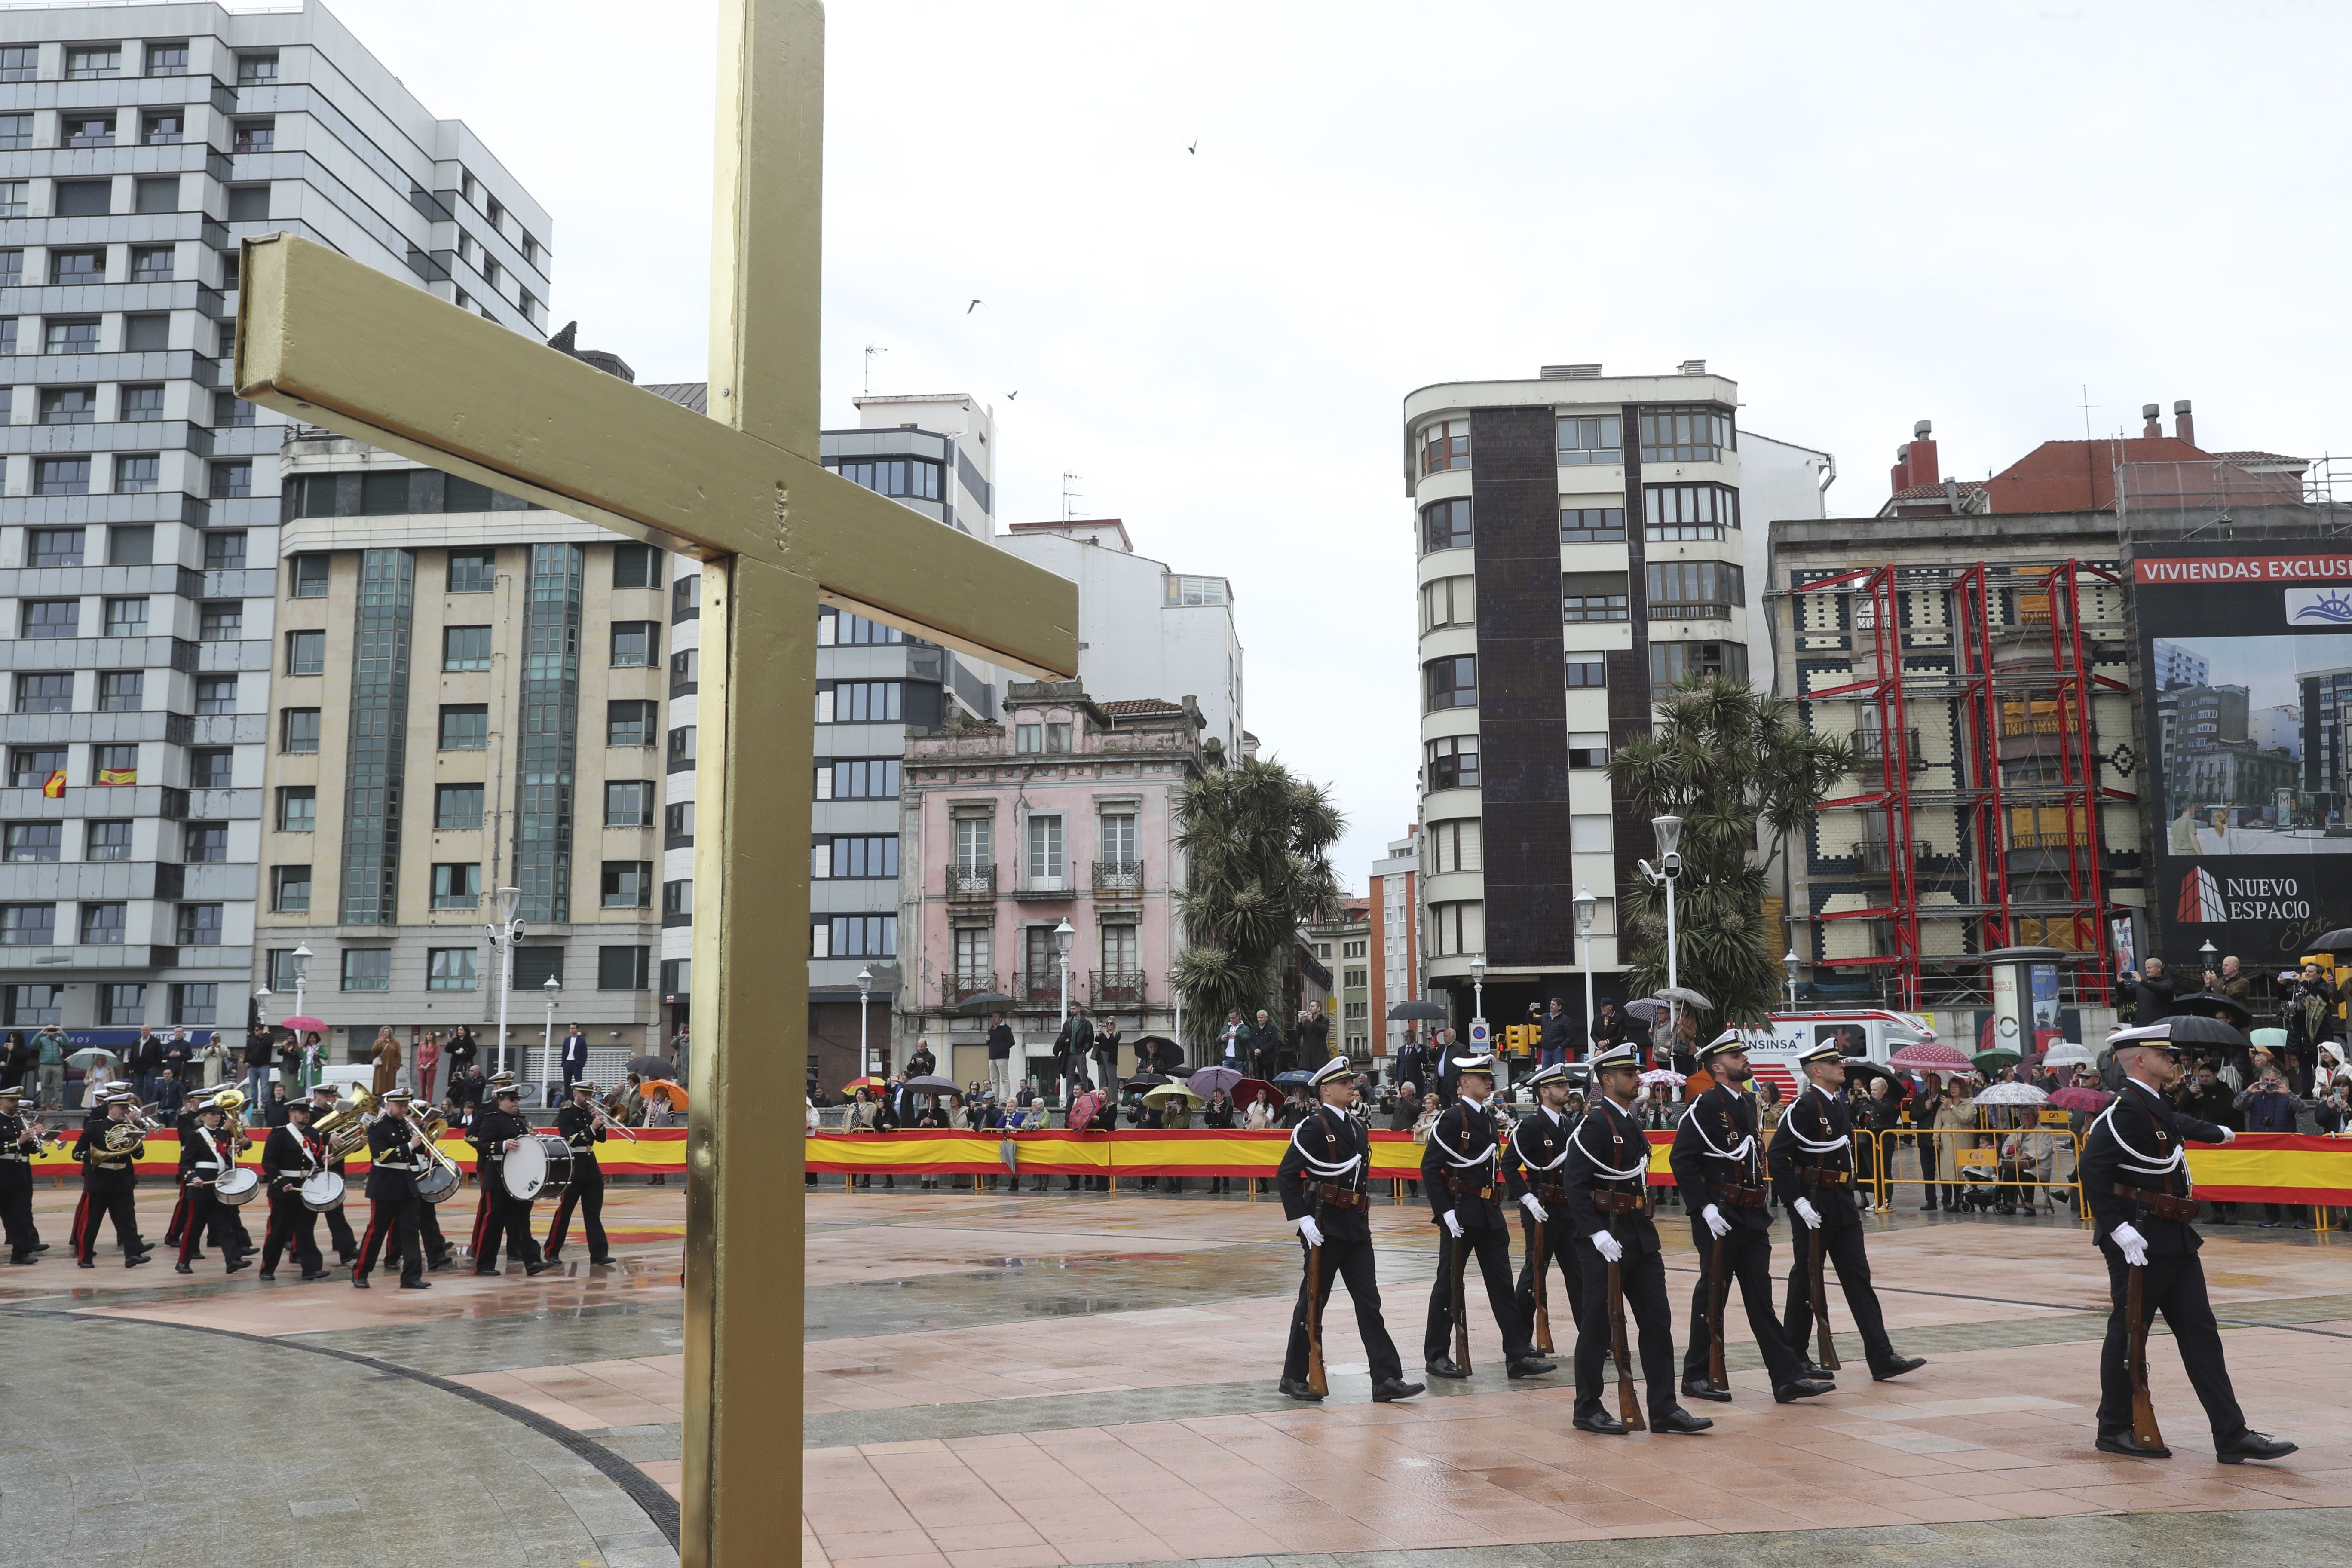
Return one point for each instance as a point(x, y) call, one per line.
point(1868, 215)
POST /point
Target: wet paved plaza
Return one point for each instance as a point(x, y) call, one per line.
point(1000, 1380)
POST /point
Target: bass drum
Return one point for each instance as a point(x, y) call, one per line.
point(321, 1191)
point(238, 1188)
point(540, 1167)
point(438, 1182)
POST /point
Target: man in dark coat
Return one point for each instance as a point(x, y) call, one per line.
point(1074, 1045)
point(1719, 1171)
point(1323, 1180)
point(999, 1057)
point(2152, 993)
point(1461, 1171)
point(395, 1158)
point(2134, 1177)
point(1538, 1148)
point(289, 1157)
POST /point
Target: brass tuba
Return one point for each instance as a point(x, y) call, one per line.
point(344, 1128)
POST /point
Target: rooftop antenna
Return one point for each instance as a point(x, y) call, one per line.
point(871, 350)
point(1070, 497)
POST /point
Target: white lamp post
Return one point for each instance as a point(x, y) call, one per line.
point(1669, 829)
point(547, 1060)
point(1063, 936)
point(864, 1054)
point(1789, 964)
point(1478, 997)
point(1587, 907)
point(502, 940)
point(301, 983)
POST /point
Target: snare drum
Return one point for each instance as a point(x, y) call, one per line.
point(321, 1191)
point(539, 1167)
point(438, 1182)
point(237, 1187)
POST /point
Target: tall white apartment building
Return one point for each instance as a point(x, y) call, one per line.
point(139, 511)
point(1584, 543)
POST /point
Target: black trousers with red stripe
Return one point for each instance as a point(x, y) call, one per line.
point(392, 1223)
point(101, 1206)
point(179, 1225)
point(586, 1191)
point(428, 1231)
point(201, 1218)
point(502, 1218)
point(293, 1226)
point(80, 1219)
point(338, 1232)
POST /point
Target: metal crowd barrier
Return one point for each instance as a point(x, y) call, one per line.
point(1968, 1159)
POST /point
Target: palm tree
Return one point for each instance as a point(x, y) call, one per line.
point(1257, 841)
point(1728, 760)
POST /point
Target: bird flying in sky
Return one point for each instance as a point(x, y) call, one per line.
point(975, 305)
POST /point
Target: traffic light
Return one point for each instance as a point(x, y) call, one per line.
point(1519, 1040)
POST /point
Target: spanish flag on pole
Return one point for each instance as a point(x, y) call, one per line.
point(56, 788)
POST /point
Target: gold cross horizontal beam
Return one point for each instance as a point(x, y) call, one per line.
point(332, 341)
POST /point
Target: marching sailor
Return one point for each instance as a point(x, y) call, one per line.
point(1459, 1169)
point(578, 1126)
point(1811, 1161)
point(290, 1156)
point(1719, 1169)
point(2134, 1176)
point(1609, 1207)
point(17, 1147)
point(1537, 1146)
point(1322, 1180)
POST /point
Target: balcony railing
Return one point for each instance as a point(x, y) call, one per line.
point(1122, 877)
point(1875, 748)
point(1680, 610)
point(972, 882)
point(955, 989)
point(1043, 990)
point(1876, 859)
point(1116, 988)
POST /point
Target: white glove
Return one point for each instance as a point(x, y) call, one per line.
point(2229, 1135)
point(1311, 1232)
point(1809, 1214)
point(2134, 1244)
point(1533, 1205)
point(1452, 1225)
point(1714, 1220)
point(1607, 1246)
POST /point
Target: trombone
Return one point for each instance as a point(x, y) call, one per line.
point(429, 1134)
point(597, 1111)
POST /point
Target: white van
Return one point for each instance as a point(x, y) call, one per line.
point(1872, 1032)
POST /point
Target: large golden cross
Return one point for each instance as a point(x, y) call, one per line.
point(339, 344)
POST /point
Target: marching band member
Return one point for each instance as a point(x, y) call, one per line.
point(579, 1127)
point(107, 1182)
point(94, 1120)
point(292, 1153)
point(17, 1147)
point(1459, 1170)
point(495, 1135)
point(339, 1225)
point(394, 1161)
point(205, 1156)
point(184, 1124)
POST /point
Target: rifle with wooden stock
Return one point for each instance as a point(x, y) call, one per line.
point(1629, 1403)
point(1540, 1256)
point(1460, 1317)
point(1315, 1380)
point(1718, 1296)
point(1817, 1253)
point(2145, 1432)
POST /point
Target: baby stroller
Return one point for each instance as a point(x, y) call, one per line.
point(1979, 1192)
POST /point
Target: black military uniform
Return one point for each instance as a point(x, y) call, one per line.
point(394, 1163)
point(1811, 1159)
point(503, 1215)
point(1718, 1165)
point(2134, 1176)
point(205, 1156)
point(108, 1181)
point(339, 1224)
point(578, 1126)
point(1322, 1178)
point(1606, 1182)
point(289, 1157)
point(184, 1125)
point(1460, 1169)
point(1538, 1145)
point(17, 1150)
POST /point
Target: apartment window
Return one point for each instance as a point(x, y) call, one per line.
point(636, 566)
point(1672, 512)
point(102, 924)
point(299, 729)
point(367, 969)
point(1588, 670)
point(257, 71)
point(34, 841)
point(1446, 445)
point(457, 886)
point(621, 968)
point(1591, 438)
point(629, 803)
point(1456, 929)
point(1695, 590)
point(677, 897)
point(859, 778)
point(29, 925)
point(1454, 762)
point(909, 479)
point(1451, 683)
point(1120, 953)
point(684, 668)
point(198, 925)
point(91, 60)
point(203, 843)
point(464, 648)
point(74, 198)
point(685, 597)
point(1198, 590)
point(1694, 434)
point(167, 59)
point(839, 628)
point(30, 767)
point(106, 840)
point(50, 618)
point(13, 197)
point(126, 618)
point(196, 1004)
point(50, 693)
point(11, 276)
point(53, 546)
point(1449, 602)
point(256, 136)
point(855, 936)
point(221, 622)
point(141, 404)
point(163, 129)
point(138, 473)
point(1590, 833)
point(306, 653)
point(859, 701)
point(61, 477)
point(68, 405)
point(1592, 524)
point(209, 767)
point(131, 544)
point(681, 746)
point(122, 1005)
point(1453, 846)
point(472, 571)
point(151, 264)
point(1592, 596)
point(309, 577)
point(632, 645)
point(231, 412)
point(465, 726)
point(31, 1006)
point(1446, 525)
point(20, 62)
point(677, 819)
point(298, 808)
point(85, 198)
point(975, 847)
point(449, 969)
point(630, 723)
point(232, 480)
point(16, 132)
point(628, 884)
point(1674, 663)
point(457, 807)
point(1028, 739)
point(1057, 738)
point(1588, 749)
point(69, 269)
point(289, 888)
point(858, 855)
point(1045, 851)
point(119, 691)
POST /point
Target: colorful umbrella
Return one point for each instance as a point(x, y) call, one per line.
point(305, 1023)
point(2076, 1098)
point(2066, 1054)
point(1664, 1075)
point(2011, 1094)
point(1208, 1080)
point(1929, 1055)
point(1171, 1091)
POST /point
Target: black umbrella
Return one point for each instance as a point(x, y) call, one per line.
point(1430, 1011)
point(1293, 1080)
point(931, 1083)
point(653, 1067)
point(2208, 1005)
point(1161, 1050)
point(2184, 1030)
point(1861, 1069)
point(1144, 1080)
point(986, 1002)
point(2337, 941)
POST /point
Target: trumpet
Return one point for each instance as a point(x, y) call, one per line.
point(39, 1130)
point(604, 1121)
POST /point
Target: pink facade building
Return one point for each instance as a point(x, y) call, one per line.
point(1066, 810)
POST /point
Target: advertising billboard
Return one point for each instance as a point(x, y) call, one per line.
point(2246, 656)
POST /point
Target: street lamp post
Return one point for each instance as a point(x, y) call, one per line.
point(547, 1063)
point(1789, 964)
point(302, 983)
point(2211, 956)
point(503, 932)
point(1477, 997)
point(1587, 907)
point(1669, 829)
point(1063, 934)
point(865, 1053)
